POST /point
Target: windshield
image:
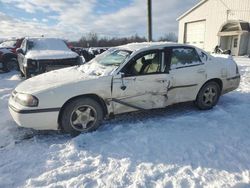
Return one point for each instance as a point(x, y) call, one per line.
point(11, 44)
point(47, 44)
point(113, 57)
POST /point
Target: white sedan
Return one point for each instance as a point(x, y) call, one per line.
point(132, 77)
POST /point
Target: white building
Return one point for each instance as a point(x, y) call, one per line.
point(217, 22)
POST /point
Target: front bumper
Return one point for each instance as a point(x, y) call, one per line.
point(42, 66)
point(33, 118)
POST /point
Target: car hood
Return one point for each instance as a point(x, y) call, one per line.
point(50, 54)
point(57, 78)
point(5, 50)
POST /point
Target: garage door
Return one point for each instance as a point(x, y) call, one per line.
point(195, 33)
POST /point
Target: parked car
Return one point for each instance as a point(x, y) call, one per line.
point(89, 53)
point(39, 55)
point(12, 44)
point(133, 77)
point(8, 55)
point(8, 60)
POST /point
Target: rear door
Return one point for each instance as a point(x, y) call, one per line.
point(187, 72)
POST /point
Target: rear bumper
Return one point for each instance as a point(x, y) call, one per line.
point(231, 84)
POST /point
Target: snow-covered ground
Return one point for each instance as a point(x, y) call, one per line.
point(179, 146)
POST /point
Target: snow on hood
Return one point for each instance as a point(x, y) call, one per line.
point(64, 76)
point(50, 54)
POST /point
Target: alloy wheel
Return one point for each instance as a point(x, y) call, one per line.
point(209, 95)
point(83, 118)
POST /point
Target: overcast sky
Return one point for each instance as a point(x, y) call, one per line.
point(70, 19)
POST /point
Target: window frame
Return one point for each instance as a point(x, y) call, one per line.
point(168, 51)
point(235, 42)
point(140, 55)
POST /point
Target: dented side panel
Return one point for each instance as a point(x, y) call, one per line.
point(143, 92)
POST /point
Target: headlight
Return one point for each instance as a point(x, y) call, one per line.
point(32, 64)
point(26, 100)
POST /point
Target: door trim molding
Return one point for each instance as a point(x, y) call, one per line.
point(183, 86)
point(127, 104)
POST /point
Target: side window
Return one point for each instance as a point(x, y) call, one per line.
point(149, 63)
point(235, 42)
point(184, 57)
point(203, 56)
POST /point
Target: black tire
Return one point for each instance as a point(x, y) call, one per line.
point(26, 73)
point(208, 96)
point(69, 116)
point(10, 65)
point(21, 74)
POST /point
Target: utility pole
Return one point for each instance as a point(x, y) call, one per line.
point(149, 21)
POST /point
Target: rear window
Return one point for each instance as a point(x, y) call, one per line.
point(183, 57)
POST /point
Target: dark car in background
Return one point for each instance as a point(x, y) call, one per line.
point(39, 55)
point(88, 53)
point(8, 54)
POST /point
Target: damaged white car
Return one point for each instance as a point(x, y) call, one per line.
point(132, 77)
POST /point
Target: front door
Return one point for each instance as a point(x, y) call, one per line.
point(187, 72)
point(234, 45)
point(144, 84)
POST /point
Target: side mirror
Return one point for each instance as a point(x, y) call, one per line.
point(19, 50)
point(122, 74)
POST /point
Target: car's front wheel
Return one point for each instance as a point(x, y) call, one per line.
point(11, 64)
point(27, 75)
point(81, 115)
point(208, 96)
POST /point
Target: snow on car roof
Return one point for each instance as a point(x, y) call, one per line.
point(148, 45)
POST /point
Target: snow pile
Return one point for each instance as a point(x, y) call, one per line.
point(179, 146)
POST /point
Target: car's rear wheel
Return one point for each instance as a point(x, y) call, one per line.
point(10, 65)
point(81, 115)
point(208, 96)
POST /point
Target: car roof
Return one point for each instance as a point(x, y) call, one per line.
point(42, 38)
point(150, 45)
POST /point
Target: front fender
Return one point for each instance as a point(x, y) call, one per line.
point(57, 97)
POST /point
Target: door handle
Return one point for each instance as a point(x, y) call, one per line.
point(128, 79)
point(201, 71)
point(161, 80)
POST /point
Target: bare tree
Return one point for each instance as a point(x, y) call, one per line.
point(170, 37)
